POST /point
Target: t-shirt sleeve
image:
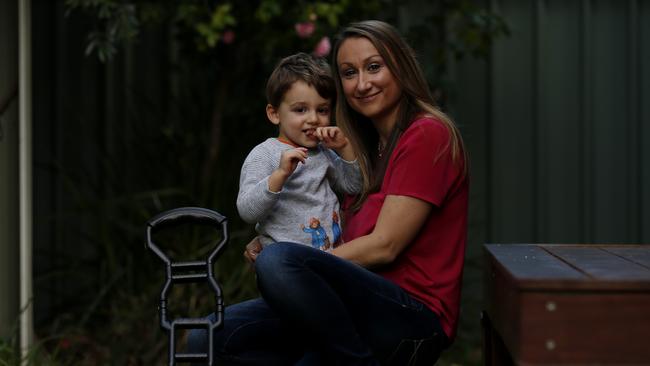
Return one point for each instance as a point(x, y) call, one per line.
point(422, 165)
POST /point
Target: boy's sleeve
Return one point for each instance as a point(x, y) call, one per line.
point(254, 200)
point(345, 176)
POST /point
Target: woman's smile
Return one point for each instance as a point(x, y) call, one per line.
point(368, 98)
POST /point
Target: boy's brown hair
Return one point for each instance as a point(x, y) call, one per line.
point(314, 71)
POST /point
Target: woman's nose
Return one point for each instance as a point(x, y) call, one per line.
point(363, 83)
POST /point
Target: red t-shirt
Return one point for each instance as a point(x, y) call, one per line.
point(431, 267)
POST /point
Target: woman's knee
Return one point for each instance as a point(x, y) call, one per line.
point(266, 259)
point(276, 257)
point(277, 265)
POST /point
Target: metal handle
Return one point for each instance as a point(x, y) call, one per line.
point(186, 214)
point(200, 271)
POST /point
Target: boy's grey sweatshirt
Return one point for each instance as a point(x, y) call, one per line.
point(306, 210)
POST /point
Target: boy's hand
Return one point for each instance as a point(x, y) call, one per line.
point(290, 158)
point(332, 137)
point(288, 163)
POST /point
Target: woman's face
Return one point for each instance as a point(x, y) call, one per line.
point(369, 86)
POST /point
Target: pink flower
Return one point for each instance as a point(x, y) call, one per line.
point(64, 343)
point(323, 47)
point(305, 29)
point(228, 37)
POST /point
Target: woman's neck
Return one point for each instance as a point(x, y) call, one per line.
point(383, 139)
point(384, 129)
point(385, 125)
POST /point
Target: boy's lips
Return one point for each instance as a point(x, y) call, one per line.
point(310, 132)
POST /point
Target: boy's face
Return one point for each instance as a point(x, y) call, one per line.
point(301, 111)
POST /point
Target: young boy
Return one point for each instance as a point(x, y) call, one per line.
point(287, 184)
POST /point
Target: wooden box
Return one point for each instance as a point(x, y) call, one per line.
point(567, 304)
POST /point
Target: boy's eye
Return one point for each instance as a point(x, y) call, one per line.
point(300, 109)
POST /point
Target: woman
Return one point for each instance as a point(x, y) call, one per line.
point(391, 293)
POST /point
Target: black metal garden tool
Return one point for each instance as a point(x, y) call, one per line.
point(189, 272)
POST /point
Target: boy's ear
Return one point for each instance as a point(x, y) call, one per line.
point(272, 114)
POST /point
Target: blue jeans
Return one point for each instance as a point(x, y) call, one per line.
point(318, 309)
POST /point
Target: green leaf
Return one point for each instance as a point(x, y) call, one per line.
point(267, 10)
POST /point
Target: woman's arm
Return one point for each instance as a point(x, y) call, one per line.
point(399, 221)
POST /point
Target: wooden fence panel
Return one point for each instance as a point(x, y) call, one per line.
point(565, 141)
point(512, 136)
point(610, 168)
point(644, 119)
point(558, 123)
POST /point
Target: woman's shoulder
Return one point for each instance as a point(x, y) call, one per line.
point(427, 123)
point(427, 129)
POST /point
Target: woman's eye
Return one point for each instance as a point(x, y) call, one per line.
point(348, 73)
point(374, 67)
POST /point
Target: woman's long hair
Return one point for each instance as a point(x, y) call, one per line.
point(416, 100)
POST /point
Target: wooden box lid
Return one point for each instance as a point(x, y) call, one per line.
point(608, 267)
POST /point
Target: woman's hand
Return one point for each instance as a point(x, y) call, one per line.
point(253, 249)
point(333, 138)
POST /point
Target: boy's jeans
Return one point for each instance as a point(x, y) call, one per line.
point(318, 309)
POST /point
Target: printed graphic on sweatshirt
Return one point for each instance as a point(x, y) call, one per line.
point(336, 230)
point(319, 238)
